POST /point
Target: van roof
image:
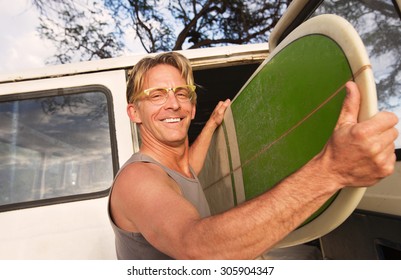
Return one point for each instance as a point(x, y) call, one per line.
point(204, 58)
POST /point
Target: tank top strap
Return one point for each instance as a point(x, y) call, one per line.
point(191, 188)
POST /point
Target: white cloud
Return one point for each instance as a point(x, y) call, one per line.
point(21, 46)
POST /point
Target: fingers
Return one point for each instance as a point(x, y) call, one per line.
point(222, 106)
point(379, 123)
point(361, 153)
point(350, 110)
point(218, 113)
point(381, 153)
point(386, 161)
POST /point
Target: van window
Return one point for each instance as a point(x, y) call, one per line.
point(379, 25)
point(54, 145)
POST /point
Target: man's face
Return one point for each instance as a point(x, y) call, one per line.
point(167, 123)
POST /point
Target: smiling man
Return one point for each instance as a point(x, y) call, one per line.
point(157, 206)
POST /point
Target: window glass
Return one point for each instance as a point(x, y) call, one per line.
point(54, 146)
point(379, 26)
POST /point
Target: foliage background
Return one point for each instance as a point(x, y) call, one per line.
point(96, 29)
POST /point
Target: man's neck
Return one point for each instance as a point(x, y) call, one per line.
point(175, 158)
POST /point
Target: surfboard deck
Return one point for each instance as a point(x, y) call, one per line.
point(284, 115)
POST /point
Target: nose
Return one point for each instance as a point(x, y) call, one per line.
point(172, 101)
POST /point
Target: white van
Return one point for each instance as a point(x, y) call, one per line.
point(64, 133)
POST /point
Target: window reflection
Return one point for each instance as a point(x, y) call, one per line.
point(379, 26)
point(54, 147)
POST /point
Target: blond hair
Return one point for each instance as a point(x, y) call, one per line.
point(138, 73)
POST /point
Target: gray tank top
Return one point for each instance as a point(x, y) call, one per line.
point(132, 245)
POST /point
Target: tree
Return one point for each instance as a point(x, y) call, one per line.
point(379, 25)
point(93, 29)
point(79, 31)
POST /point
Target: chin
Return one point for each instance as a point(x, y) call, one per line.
point(175, 142)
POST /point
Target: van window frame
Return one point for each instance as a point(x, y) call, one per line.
point(112, 134)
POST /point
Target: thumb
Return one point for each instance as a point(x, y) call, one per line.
point(350, 110)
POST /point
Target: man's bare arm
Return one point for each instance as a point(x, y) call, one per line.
point(198, 150)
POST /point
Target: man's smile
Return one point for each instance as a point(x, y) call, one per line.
point(172, 120)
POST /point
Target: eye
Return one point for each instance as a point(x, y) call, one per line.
point(157, 94)
point(182, 93)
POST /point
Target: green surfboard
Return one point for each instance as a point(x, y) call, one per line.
point(283, 117)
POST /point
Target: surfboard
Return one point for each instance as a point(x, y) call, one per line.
point(284, 115)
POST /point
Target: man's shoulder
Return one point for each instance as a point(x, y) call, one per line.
point(140, 170)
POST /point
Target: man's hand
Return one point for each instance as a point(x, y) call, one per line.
point(360, 154)
point(198, 149)
point(217, 116)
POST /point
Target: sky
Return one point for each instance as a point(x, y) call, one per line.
point(20, 45)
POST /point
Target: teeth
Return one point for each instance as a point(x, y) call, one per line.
point(171, 120)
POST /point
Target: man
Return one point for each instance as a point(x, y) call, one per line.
point(157, 206)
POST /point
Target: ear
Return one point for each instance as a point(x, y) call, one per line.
point(193, 111)
point(133, 113)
